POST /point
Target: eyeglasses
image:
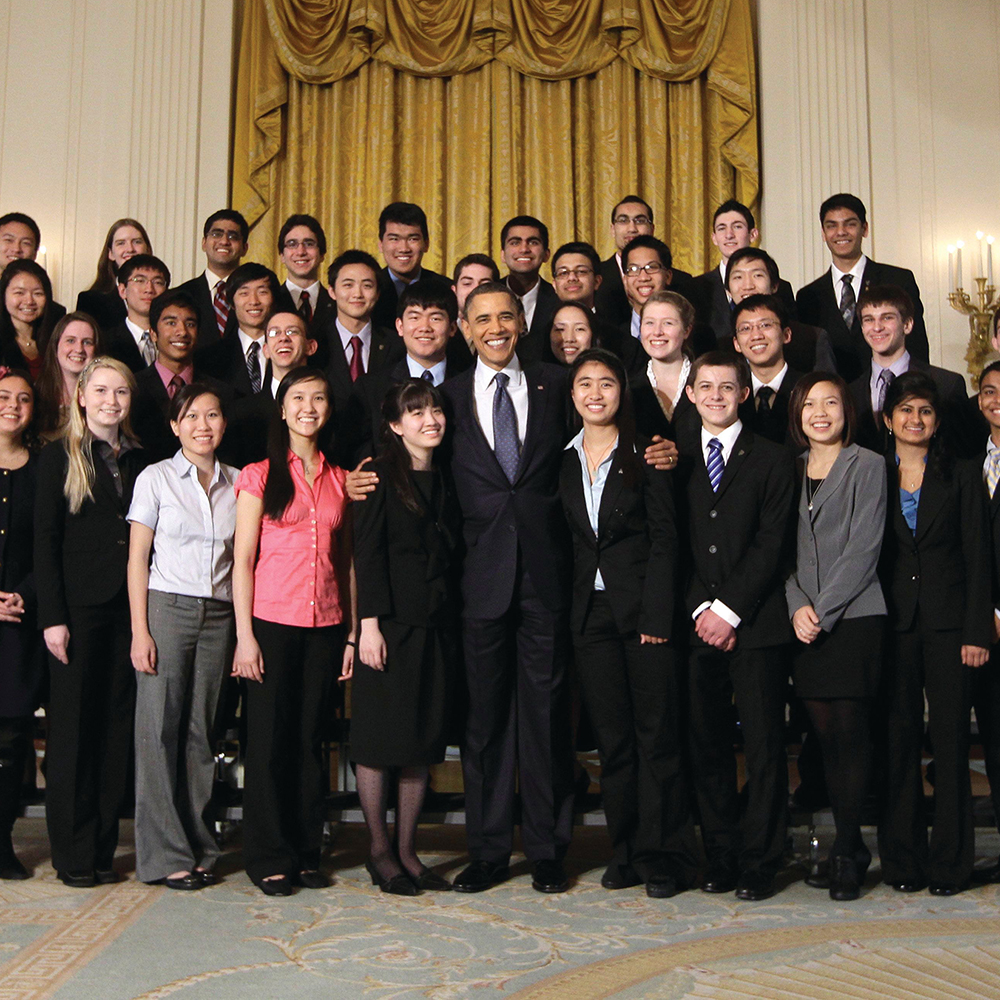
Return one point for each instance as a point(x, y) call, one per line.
point(305, 244)
point(143, 279)
point(764, 325)
point(292, 331)
point(577, 272)
point(225, 234)
point(653, 267)
point(639, 220)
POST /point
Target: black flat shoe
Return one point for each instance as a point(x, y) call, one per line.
point(845, 880)
point(78, 880)
point(398, 885)
point(618, 876)
point(945, 888)
point(754, 886)
point(479, 876)
point(431, 881)
point(314, 879)
point(187, 883)
point(281, 886)
point(107, 876)
point(549, 876)
point(661, 885)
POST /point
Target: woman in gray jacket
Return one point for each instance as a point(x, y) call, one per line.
point(836, 605)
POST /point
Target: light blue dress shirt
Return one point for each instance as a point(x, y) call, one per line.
point(593, 491)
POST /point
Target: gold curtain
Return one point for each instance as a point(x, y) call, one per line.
point(483, 109)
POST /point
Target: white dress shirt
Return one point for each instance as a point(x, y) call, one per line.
point(416, 369)
point(296, 292)
point(727, 439)
point(775, 383)
point(366, 342)
point(837, 277)
point(245, 341)
point(529, 300)
point(212, 279)
point(484, 389)
point(136, 331)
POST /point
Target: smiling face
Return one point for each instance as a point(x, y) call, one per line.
point(224, 246)
point(913, 422)
point(749, 277)
point(843, 232)
point(823, 414)
point(662, 331)
point(252, 303)
point(76, 347)
point(885, 332)
point(730, 233)
point(286, 343)
point(596, 394)
point(105, 400)
point(126, 241)
point(523, 250)
point(17, 242)
point(574, 279)
point(494, 323)
point(425, 332)
point(717, 394)
point(644, 275)
point(570, 333)
point(403, 247)
point(300, 254)
point(16, 406)
point(989, 399)
point(420, 429)
point(306, 408)
point(355, 290)
point(201, 426)
point(25, 298)
point(176, 335)
point(760, 338)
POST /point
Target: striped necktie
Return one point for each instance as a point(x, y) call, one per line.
point(220, 307)
point(993, 472)
point(715, 465)
point(848, 300)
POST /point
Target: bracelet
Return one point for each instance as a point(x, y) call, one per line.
point(351, 642)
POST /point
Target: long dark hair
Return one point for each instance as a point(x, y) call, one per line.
point(280, 488)
point(49, 384)
point(917, 385)
point(42, 326)
point(107, 269)
point(413, 394)
point(803, 387)
point(624, 418)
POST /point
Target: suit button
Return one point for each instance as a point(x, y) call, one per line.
point(713, 513)
point(121, 541)
point(712, 549)
point(511, 527)
point(915, 577)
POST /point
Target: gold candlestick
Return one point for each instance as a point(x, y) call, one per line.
point(980, 318)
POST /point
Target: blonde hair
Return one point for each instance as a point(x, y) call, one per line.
point(78, 440)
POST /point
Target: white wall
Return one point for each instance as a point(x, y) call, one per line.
point(897, 101)
point(115, 108)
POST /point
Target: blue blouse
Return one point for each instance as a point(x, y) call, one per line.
point(909, 503)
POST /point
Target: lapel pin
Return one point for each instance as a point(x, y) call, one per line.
point(540, 387)
point(742, 452)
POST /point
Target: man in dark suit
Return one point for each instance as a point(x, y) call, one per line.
point(508, 432)
point(403, 239)
point(751, 271)
point(760, 335)
point(576, 278)
point(831, 300)
point(733, 229)
point(140, 280)
point(524, 246)
point(885, 314)
point(225, 240)
point(648, 267)
point(737, 491)
point(237, 360)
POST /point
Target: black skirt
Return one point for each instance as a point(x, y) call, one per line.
point(842, 663)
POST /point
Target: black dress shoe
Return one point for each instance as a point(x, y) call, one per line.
point(399, 884)
point(618, 876)
point(945, 888)
point(754, 886)
point(550, 876)
point(187, 883)
point(107, 876)
point(280, 886)
point(661, 885)
point(845, 879)
point(78, 880)
point(480, 875)
point(431, 881)
point(907, 884)
point(313, 879)
point(719, 878)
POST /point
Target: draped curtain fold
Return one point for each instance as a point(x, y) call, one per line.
point(482, 109)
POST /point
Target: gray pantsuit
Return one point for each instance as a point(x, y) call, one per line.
point(174, 715)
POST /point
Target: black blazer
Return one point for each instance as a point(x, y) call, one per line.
point(944, 570)
point(405, 561)
point(650, 420)
point(741, 538)
point(610, 299)
point(534, 345)
point(320, 326)
point(993, 503)
point(512, 527)
point(773, 424)
point(120, 344)
point(964, 438)
point(208, 327)
point(386, 349)
point(384, 314)
point(80, 559)
point(635, 547)
point(224, 361)
point(107, 308)
point(249, 418)
point(818, 306)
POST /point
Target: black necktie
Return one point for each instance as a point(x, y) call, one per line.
point(305, 308)
point(253, 365)
point(764, 395)
point(506, 443)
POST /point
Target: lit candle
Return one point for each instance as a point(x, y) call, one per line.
point(958, 262)
point(951, 268)
point(982, 272)
point(41, 257)
point(989, 261)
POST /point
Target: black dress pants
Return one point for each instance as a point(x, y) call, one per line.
point(986, 702)
point(89, 749)
point(631, 692)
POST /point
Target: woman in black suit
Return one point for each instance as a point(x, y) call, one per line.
point(621, 514)
point(404, 539)
point(126, 238)
point(935, 572)
point(85, 482)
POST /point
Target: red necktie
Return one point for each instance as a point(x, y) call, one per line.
point(305, 308)
point(221, 307)
point(357, 361)
point(175, 386)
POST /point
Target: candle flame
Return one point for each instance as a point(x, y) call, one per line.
point(951, 248)
point(979, 234)
point(960, 244)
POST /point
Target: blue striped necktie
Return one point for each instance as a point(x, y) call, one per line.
point(715, 464)
point(506, 443)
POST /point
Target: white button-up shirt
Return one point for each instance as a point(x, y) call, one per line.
point(485, 387)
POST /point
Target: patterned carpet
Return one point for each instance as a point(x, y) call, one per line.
point(136, 941)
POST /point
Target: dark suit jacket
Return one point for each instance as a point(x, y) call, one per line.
point(249, 418)
point(944, 570)
point(322, 325)
point(818, 306)
point(208, 327)
point(519, 526)
point(386, 349)
point(773, 424)
point(994, 521)
point(534, 345)
point(635, 547)
point(711, 303)
point(107, 308)
point(963, 437)
point(120, 344)
point(650, 420)
point(741, 545)
point(385, 308)
point(224, 361)
point(80, 559)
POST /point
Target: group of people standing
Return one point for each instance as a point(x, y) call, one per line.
point(617, 497)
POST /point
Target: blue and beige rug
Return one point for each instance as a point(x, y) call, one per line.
point(134, 941)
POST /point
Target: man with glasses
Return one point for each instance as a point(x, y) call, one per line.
point(225, 243)
point(140, 279)
point(647, 267)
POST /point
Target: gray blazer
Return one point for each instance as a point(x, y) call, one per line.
point(839, 541)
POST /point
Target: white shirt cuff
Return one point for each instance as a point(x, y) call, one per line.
point(726, 614)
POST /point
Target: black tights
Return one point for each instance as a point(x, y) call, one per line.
point(373, 791)
point(843, 726)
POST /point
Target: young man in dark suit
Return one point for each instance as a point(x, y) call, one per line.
point(403, 239)
point(885, 314)
point(737, 493)
point(576, 278)
point(302, 245)
point(140, 280)
point(831, 300)
point(524, 247)
point(225, 240)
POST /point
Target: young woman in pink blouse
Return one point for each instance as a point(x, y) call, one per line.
point(294, 603)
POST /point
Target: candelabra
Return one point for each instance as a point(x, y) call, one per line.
point(981, 311)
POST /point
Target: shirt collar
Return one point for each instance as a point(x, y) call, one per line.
point(295, 463)
point(345, 334)
point(167, 376)
point(856, 271)
point(485, 374)
point(899, 367)
point(246, 340)
point(991, 448)
point(398, 279)
point(213, 279)
point(576, 443)
point(187, 468)
point(136, 331)
point(531, 295)
point(774, 384)
point(726, 438)
point(416, 369)
point(296, 292)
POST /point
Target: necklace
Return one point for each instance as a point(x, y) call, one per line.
point(593, 463)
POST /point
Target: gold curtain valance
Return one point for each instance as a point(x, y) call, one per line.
point(322, 41)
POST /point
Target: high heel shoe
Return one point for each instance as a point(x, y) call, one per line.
point(398, 885)
point(430, 880)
